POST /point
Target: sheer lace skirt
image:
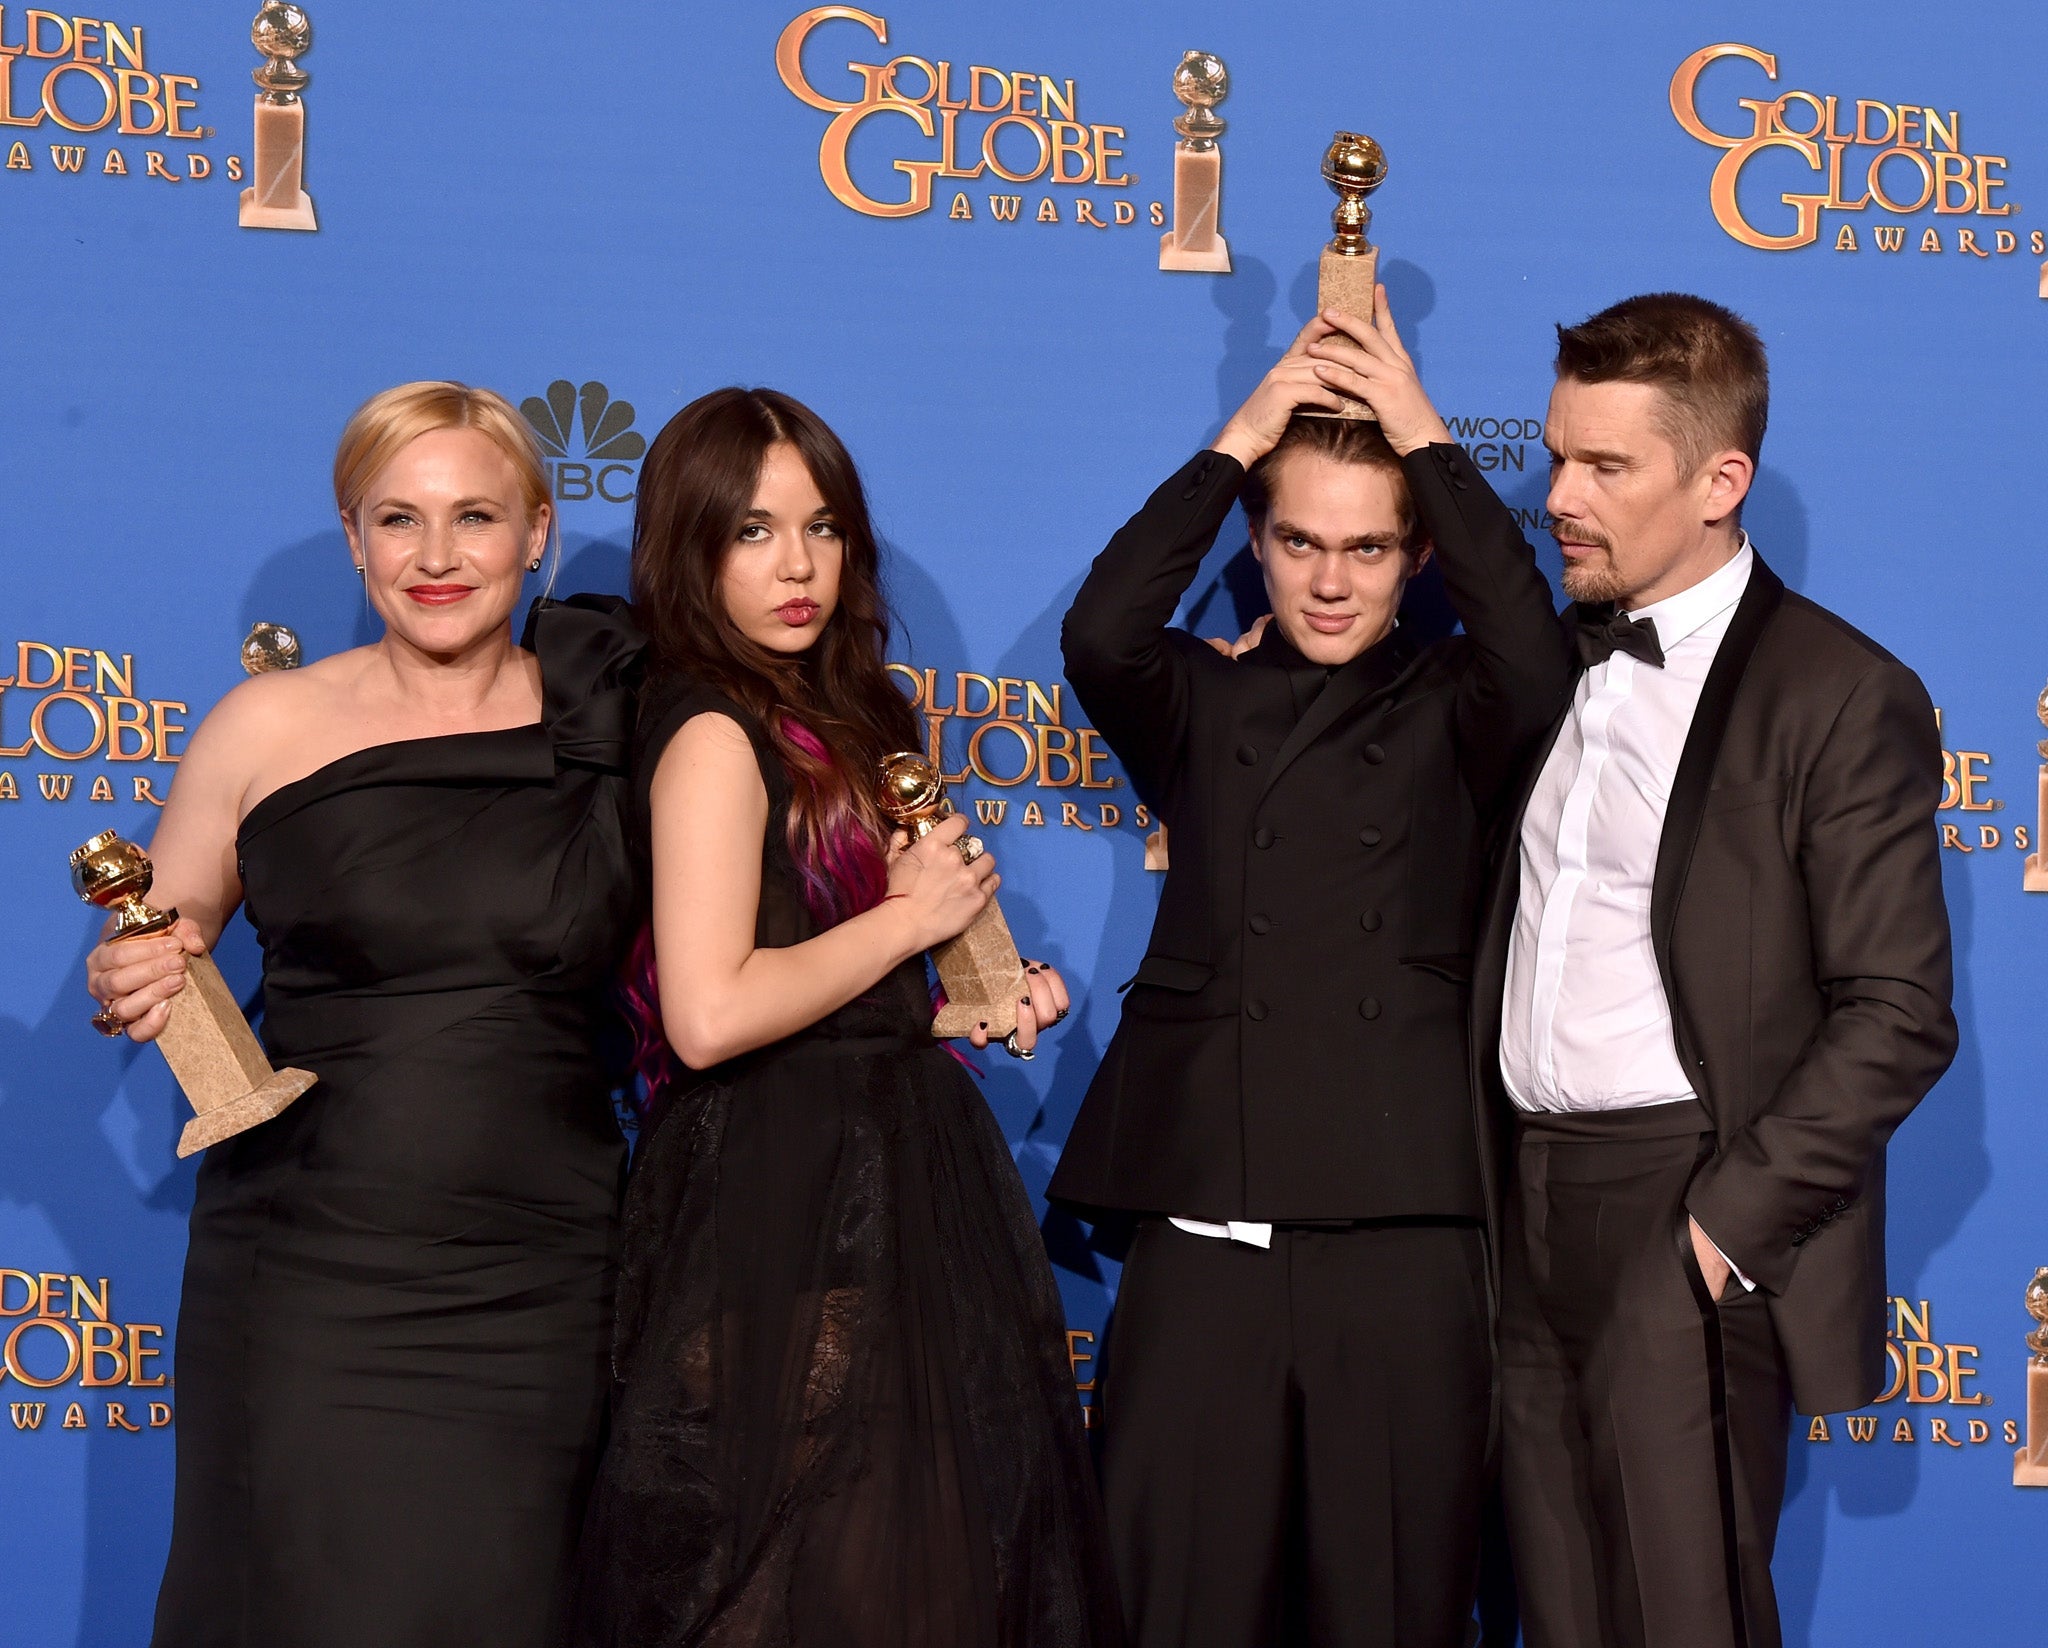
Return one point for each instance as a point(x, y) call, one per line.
point(844, 1416)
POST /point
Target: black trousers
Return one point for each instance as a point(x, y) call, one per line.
point(1644, 1423)
point(1294, 1439)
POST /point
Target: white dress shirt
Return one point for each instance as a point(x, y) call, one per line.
point(1584, 1022)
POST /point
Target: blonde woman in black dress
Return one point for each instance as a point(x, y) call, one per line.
point(390, 1351)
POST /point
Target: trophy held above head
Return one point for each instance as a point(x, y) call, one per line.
point(1354, 166)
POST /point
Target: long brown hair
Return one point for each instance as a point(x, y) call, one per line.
point(831, 711)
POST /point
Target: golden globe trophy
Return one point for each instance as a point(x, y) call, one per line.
point(276, 197)
point(2030, 1464)
point(1354, 166)
point(979, 970)
point(211, 1049)
point(1201, 82)
point(270, 647)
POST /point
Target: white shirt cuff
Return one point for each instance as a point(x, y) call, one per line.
point(1234, 1230)
point(1734, 1269)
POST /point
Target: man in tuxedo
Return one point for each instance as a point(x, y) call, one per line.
point(1713, 979)
point(1296, 1384)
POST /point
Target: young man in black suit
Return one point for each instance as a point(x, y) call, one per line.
point(1296, 1384)
point(1714, 978)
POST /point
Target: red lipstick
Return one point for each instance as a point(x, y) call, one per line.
point(439, 595)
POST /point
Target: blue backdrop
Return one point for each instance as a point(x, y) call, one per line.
point(605, 210)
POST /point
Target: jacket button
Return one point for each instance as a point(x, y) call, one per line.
point(1247, 755)
point(1370, 921)
point(1189, 493)
point(1262, 837)
point(1254, 1009)
point(1369, 1008)
point(1374, 754)
point(1260, 924)
point(1369, 836)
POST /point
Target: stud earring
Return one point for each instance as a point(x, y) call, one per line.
point(533, 565)
point(359, 569)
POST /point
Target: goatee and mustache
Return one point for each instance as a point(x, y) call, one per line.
point(1594, 581)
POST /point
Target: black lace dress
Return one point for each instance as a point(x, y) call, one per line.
point(844, 1416)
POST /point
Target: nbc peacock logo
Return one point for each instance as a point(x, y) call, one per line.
point(591, 445)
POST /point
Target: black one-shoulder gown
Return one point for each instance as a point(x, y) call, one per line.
point(391, 1351)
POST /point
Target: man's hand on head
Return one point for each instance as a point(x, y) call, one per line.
point(1245, 642)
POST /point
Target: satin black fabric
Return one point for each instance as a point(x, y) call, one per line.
point(1644, 1421)
point(844, 1415)
point(390, 1354)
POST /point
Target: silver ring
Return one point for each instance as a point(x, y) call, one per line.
point(970, 848)
point(1027, 1054)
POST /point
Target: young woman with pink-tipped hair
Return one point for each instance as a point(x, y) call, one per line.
point(844, 1416)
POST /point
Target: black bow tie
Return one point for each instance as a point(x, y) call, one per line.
point(1601, 638)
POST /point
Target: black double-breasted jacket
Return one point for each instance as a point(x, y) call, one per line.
point(1293, 1046)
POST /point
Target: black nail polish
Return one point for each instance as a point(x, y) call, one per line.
point(984, 1024)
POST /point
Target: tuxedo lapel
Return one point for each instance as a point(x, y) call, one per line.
point(1695, 776)
point(1374, 671)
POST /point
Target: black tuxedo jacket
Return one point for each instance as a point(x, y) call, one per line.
point(1797, 917)
point(1293, 1045)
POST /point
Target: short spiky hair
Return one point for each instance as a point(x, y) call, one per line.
point(1708, 360)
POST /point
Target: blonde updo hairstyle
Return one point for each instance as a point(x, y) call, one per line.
point(386, 423)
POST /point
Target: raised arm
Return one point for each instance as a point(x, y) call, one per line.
point(1872, 870)
point(1521, 668)
point(1121, 654)
point(721, 995)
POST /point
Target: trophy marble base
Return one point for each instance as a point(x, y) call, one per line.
point(298, 215)
point(2030, 1463)
point(219, 1062)
point(1193, 244)
point(276, 196)
point(1346, 284)
point(1177, 258)
point(982, 976)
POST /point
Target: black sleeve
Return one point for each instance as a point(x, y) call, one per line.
point(1126, 666)
point(1521, 668)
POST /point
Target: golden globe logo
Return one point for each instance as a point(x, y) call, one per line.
point(59, 1331)
point(71, 704)
point(1898, 158)
point(1924, 1372)
point(1007, 731)
point(65, 76)
point(1005, 125)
